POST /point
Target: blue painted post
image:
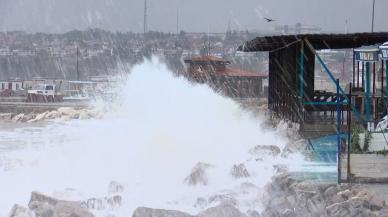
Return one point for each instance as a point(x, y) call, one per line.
point(367, 93)
point(301, 84)
point(386, 80)
point(338, 132)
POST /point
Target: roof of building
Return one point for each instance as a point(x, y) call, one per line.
point(319, 41)
point(206, 59)
point(234, 72)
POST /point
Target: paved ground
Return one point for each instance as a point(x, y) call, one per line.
point(25, 107)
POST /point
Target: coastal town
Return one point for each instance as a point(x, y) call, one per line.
point(193, 109)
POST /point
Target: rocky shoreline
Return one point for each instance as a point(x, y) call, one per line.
point(63, 113)
point(283, 197)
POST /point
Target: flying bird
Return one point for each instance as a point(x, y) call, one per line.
point(269, 20)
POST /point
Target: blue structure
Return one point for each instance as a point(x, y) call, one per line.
point(384, 57)
point(368, 56)
point(291, 91)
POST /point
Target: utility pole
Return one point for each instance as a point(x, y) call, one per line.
point(373, 15)
point(177, 21)
point(77, 65)
point(145, 16)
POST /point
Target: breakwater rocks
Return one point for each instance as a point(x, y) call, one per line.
point(217, 211)
point(287, 197)
point(41, 205)
point(63, 113)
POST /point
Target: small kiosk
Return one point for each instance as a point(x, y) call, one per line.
point(367, 58)
point(384, 57)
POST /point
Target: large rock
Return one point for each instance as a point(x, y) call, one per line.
point(222, 210)
point(46, 206)
point(18, 117)
point(39, 117)
point(20, 211)
point(115, 187)
point(148, 212)
point(70, 112)
point(198, 174)
point(262, 152)
point(5, 116)
point(239, 171)
point(288, 197)
point(227, 198)
point(218, 211)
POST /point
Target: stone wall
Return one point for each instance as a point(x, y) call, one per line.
point(368, 168)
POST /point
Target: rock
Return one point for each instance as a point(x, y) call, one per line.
point(20, 211)
point(262, 152)
point(103, 203)
point(239, 171)
point(46, 206)
point(148, 212)
point(53, 115)
point(253, 213)
point(114, 201)
point(39, 117)
point(330, 191)
point(28, 117)
point(225, 199)
point(222, 210)
point(115, 187)
point(198, 174)
point(95, 204)
point(5, 116)
point(18, 117)
point(201, 203)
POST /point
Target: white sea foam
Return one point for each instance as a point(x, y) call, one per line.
point(149, 140)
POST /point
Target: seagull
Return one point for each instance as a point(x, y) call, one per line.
point(269, 20)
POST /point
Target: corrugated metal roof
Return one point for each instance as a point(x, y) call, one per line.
point(206, 59)
point(234, 72)
point(319, 41)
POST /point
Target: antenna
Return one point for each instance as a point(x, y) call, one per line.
point(145, 16)
point(373, 16)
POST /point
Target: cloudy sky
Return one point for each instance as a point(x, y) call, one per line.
point(195, 15)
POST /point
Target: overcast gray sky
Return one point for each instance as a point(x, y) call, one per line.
point(195, 15)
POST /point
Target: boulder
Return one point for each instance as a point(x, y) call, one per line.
point(39, 117)
point(224, 199)
point(5, 116)
point(201, 203)
point(253, 213)
point(20, 211)
point(198, 174)
point(223, 210)
point(53, 115)
point(28, 117)
point(18, 117)
point(239, 171)
point(148, 212)
point(262, 152)
point(111, 202)
point(115, 187)
point(43, 205)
